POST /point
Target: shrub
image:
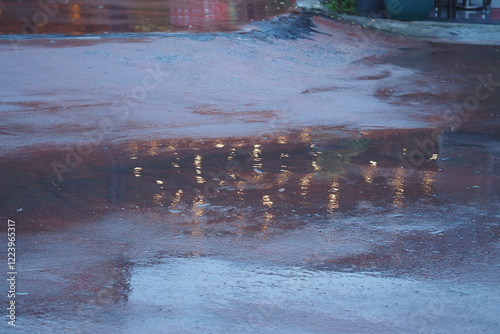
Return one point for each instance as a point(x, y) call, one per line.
point(341, 6)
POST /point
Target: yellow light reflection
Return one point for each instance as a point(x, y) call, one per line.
point(198, 211)
point(428, 180)
point(333, 200)
point(268, 219)
point(137, 171)
point(240, 190)
point(75, 12)
point(159, 181)
point(172, 145)
point(158, 199)
point(305, 182)
point(134, 150)
point(197, 161)
point(219, 145)
point(368, 174)
point(316, 166)
point(257, 165)
point(282, 178)
point(154, 149)
point(398, 185)
point(284, 167)
point(304, 135)
point(256, 151)
point(177, 199)
point(282, 139)
point(266, 200)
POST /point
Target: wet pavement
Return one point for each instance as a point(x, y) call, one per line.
point(303, 176)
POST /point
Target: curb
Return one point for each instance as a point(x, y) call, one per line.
point(453, 32)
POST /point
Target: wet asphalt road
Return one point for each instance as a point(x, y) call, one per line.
point(302, 176)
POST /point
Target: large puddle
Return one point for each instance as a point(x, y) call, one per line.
point(251, 233)
point(270, 181)
point(103, 17)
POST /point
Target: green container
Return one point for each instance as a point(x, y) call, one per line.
point(408, 10)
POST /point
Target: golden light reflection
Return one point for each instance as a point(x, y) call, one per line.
point(266, 200)
point(197, 161)
point(198, 211)
point(282, 178)
point(177, 199)
point(373, 163)
point(284, 168)
point(173, 144)
point(428, 180)
point(158, 199)
point(333, 200)
point(159, 181)
point(219, 145)
point(305, 182)
point(199, 201)
point(240, 190)
point(305, 136)
point(257, 165)
point(398, 185)
point(154, 149)
point(316, 166)
point(282, 139)
point(368, 174)
point(434, 156)
point(75, 12)
point(268, 219)
point(134, 150)
point(256, 151)
point(137, 171)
